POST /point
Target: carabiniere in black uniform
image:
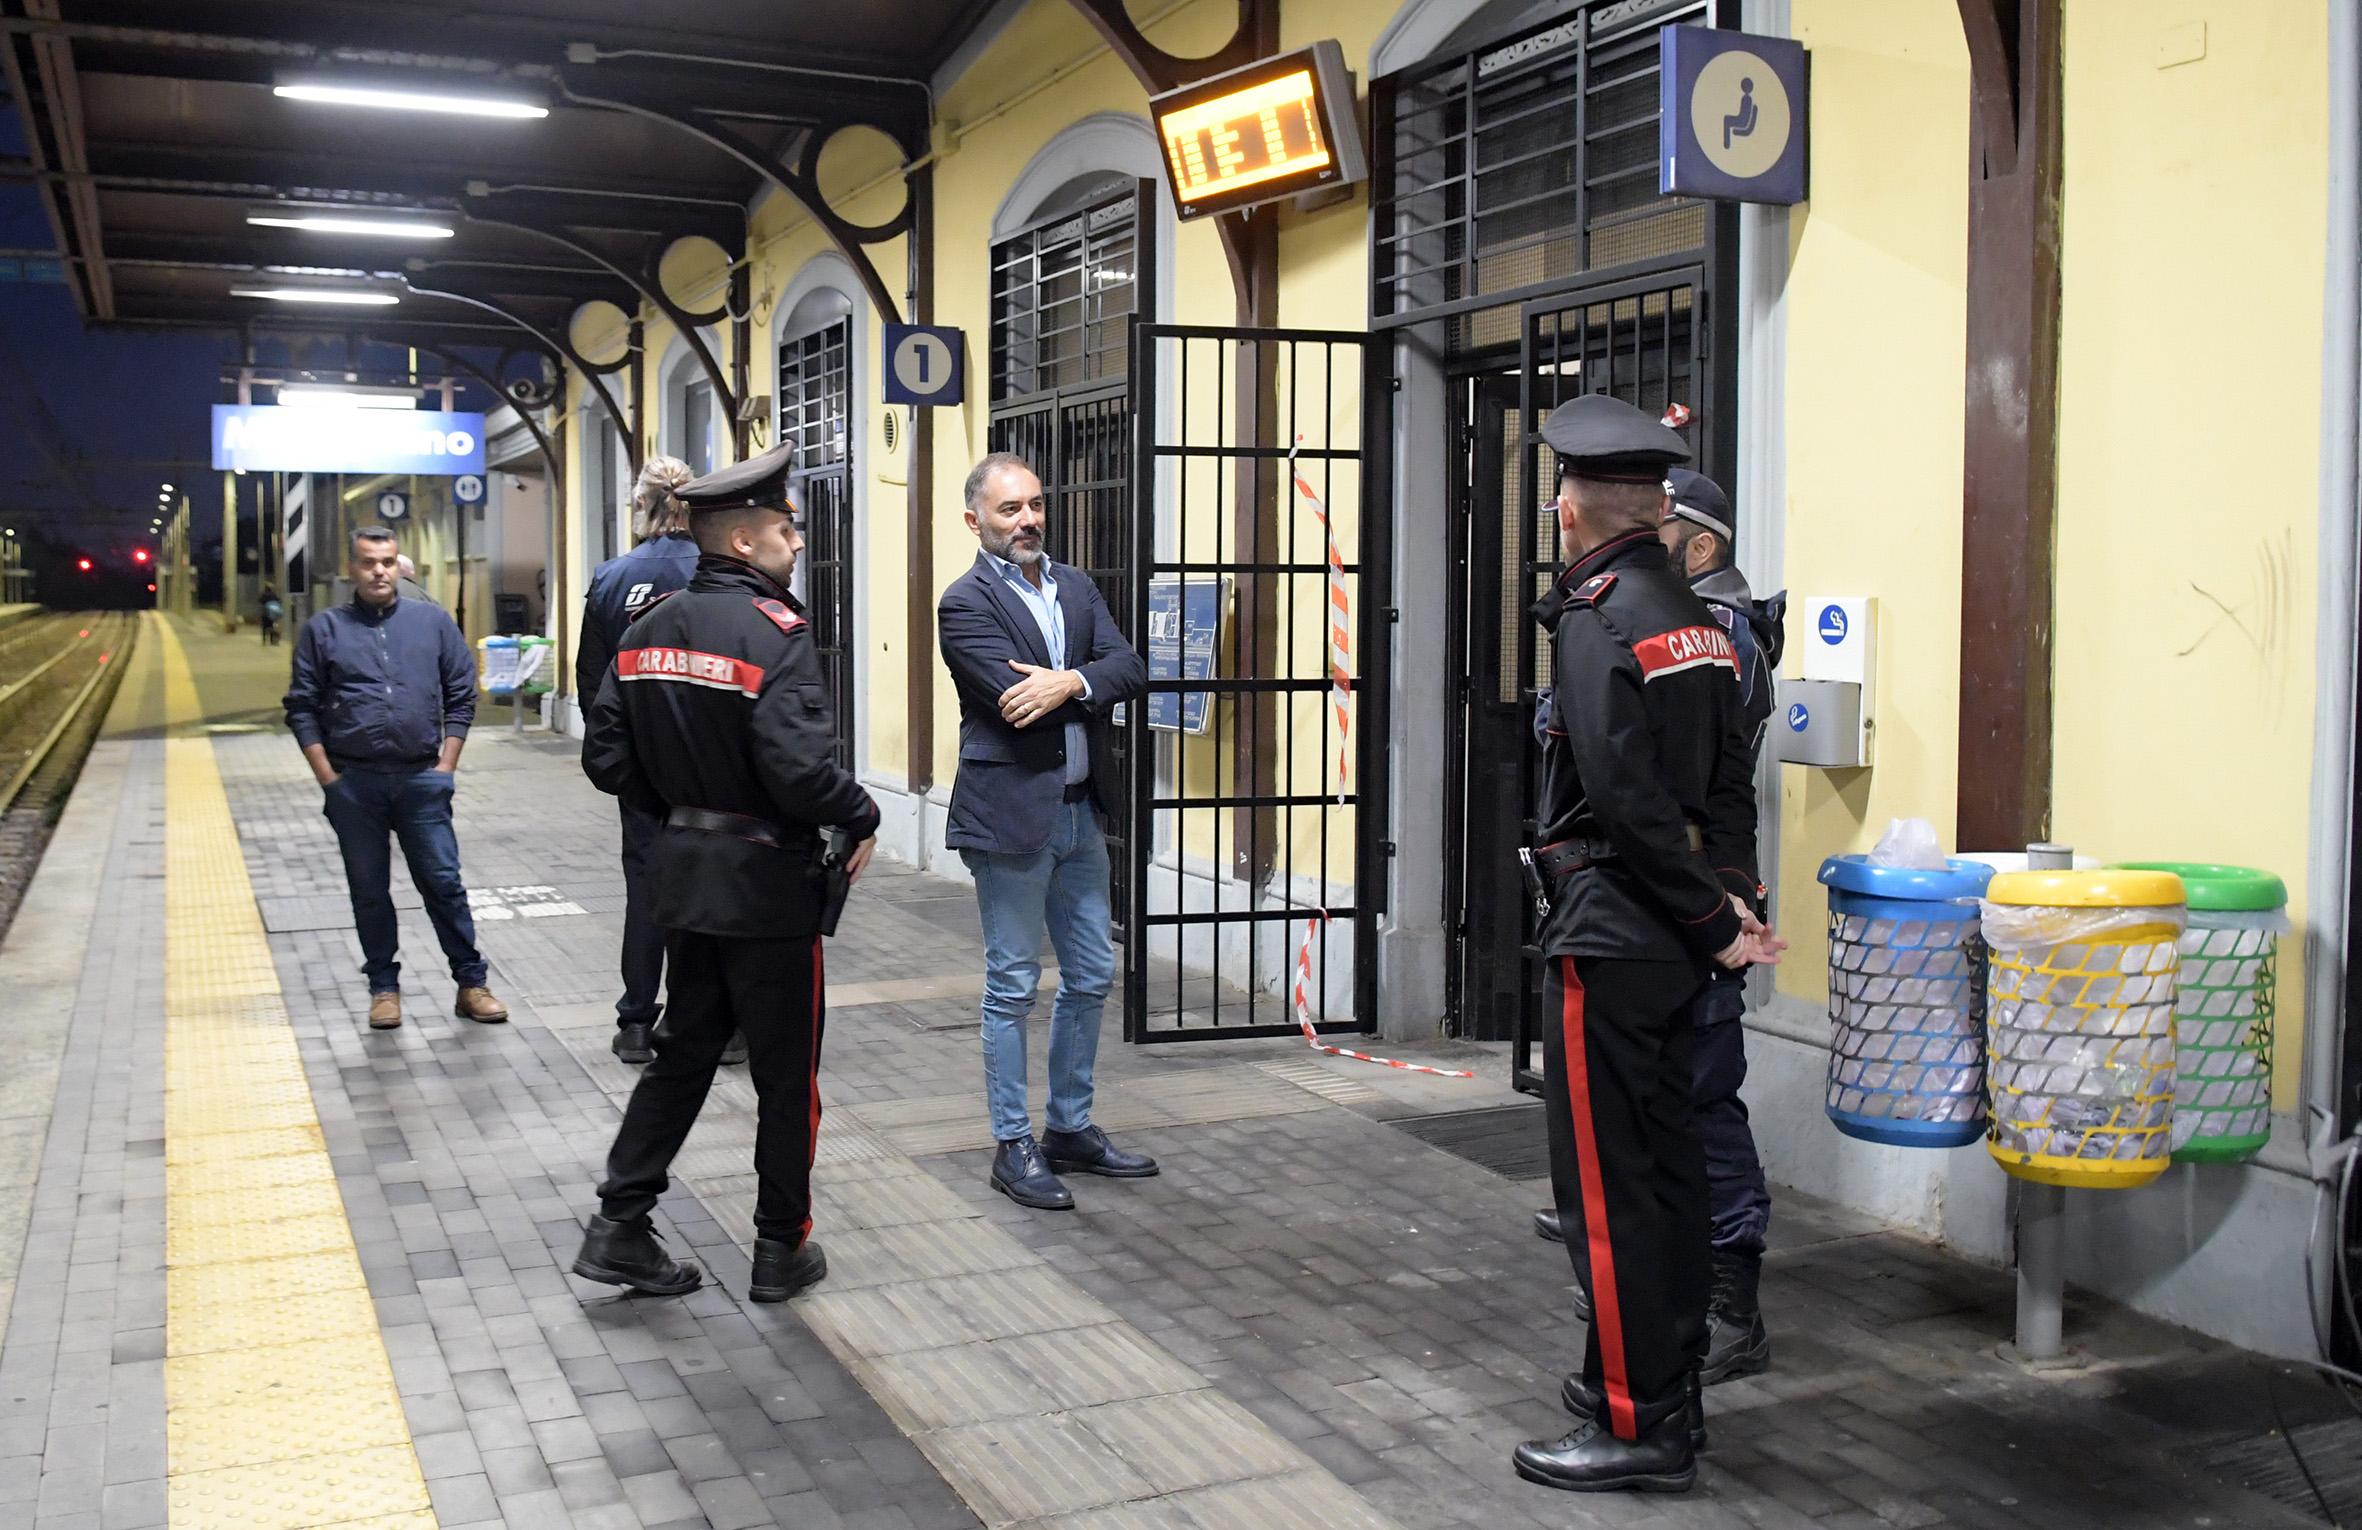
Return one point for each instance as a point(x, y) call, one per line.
point(1647, 818)
point(716, 717)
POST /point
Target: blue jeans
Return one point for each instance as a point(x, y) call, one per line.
point(1061, 889)
point(364, 807)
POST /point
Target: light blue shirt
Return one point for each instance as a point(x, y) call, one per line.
point(1050, 617)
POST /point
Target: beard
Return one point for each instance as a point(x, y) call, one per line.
point(1021, 548)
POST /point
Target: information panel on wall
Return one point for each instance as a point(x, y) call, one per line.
point(288, 438)
point(1184, 620)
point(1272, 129)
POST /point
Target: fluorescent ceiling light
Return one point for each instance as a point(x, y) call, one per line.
point(333, 395)
point(425, 96)
point(346, 223)
point(355, 296)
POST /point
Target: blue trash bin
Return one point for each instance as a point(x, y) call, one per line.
point(1906, 1002)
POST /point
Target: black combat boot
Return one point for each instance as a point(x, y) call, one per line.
point(1737, 1344)
point(634, 1042)
point(1588, 1459)
point(780, 1271)
point(1583, 1403)
point(630, 1254)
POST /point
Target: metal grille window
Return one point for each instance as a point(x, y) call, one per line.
point(1063, 295)
point(815, 417)
point(815, 396)
point(1521, 165)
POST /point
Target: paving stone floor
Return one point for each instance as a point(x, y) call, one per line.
point(1312, 1318)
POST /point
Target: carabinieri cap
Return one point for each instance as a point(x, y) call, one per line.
point(1602, 437)
point(1700, 501)
point(758, 481)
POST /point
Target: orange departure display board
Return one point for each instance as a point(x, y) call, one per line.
point(1273, 129)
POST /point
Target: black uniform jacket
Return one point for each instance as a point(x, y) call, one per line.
point(716, 701)
point(1647, 761)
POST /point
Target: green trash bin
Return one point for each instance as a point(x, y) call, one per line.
point(2223, 1019)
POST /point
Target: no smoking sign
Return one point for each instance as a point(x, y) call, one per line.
point(924, 364)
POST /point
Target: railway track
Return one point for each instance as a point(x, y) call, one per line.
point(57, 674)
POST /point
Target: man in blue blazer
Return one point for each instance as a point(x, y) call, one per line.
point(1037, 660)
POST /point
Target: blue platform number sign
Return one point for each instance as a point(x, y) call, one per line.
point(1831, 625)
point(924, 364)
point(1799, 718)
point(1731, 116)
point(468, 489)
point(1184, 620)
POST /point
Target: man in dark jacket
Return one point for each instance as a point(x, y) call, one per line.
point(1646, 858)
point(380, 700)
point(1700, 534)
point(1037, 660)
point(621, 589)
point(714, 716)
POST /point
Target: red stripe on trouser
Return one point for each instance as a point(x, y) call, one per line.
point(1608, 1315)
point(812, 1139)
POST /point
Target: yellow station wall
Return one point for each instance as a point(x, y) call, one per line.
point(1876, 347)
point(2189, 439)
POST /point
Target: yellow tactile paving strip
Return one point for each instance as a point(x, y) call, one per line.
point(281, 1409)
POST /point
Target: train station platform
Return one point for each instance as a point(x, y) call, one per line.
point(263, 1267)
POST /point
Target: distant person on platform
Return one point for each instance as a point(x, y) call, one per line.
point(273, 612)
point(411, 588)
point(380, 701)
point(1038, 661)
point(621, 590)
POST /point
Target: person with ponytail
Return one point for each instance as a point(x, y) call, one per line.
point(621, 590)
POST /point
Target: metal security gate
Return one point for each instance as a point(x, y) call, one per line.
point(815, 415)
point(1644, 341)
point(1252, 815)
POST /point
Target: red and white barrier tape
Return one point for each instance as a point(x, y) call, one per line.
point(1340, 691)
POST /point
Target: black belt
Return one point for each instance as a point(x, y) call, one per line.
point(1078, 791)
point(1562, 860)
point(736, 825)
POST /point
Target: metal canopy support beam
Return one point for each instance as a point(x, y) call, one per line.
point(593, 377)
point(2011, 434)
point(795, 172)
point(1250, 244)
point(642, 278)
point(918, 599)
point(72, 207)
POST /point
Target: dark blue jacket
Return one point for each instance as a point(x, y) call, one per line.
point(620, 589)
point(381, 688)
point(1011, 780)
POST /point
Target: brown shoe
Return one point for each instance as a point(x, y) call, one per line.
point(385, 1011)
point(477, 1004)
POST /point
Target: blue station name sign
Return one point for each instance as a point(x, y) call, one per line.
point(286, 438)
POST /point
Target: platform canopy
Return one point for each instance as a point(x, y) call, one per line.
point(160, 132)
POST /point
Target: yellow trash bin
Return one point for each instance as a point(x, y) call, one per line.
point(2080, 1033)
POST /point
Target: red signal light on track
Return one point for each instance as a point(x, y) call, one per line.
point(139, 555)
point(83, 564)
point(151, 588)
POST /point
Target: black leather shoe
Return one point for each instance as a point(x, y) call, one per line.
point(1737, 1343)
point(635, 1042)
point(631, 1254)
point(1546, 1225)
point(1089, 1152)
point(780, 1272)
point(1582, 1305)
point(1583, 1403)
point(1019, 1173)
point(1588, 1459)
point(735, 1052)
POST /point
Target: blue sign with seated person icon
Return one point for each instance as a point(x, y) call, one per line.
point(1731, 117)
